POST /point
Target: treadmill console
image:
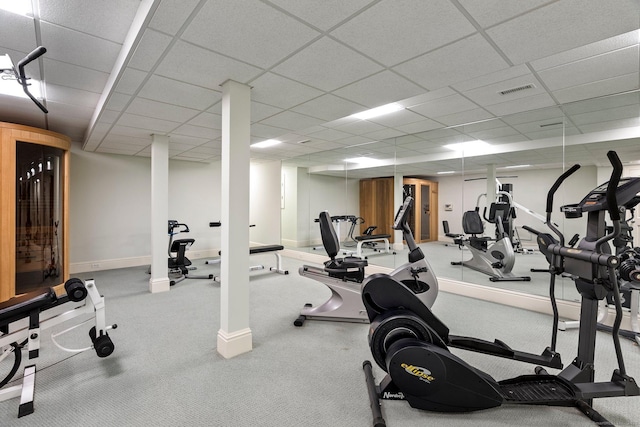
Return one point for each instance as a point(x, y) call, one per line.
point(596, 200)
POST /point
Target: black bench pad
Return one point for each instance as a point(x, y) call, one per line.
point(21, 306)
point(366, 237)
point(261, 249)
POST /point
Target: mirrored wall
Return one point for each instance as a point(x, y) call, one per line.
point(470, 167)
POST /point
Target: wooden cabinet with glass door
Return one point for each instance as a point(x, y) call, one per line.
point(34, 166)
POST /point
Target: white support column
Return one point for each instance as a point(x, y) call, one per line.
point(491, 184)
point(159, 281)
point(234, 336)
point(398, 185)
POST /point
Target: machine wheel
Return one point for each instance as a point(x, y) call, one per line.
point(102, 344)
point(391, 326)
point(76, 291)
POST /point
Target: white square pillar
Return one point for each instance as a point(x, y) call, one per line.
point(234, 336)
point(159, 281)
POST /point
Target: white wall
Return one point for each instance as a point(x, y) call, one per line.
point(109, 208)
point(265, 203)
point(110, 197)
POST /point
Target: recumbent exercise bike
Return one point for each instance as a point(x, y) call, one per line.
point(344, 276)
point(493, 257)
point(411, 344)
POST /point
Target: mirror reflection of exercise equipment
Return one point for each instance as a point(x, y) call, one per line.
point(424, 216)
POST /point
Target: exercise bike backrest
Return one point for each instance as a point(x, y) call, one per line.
point(401, 223)
point(330, 239)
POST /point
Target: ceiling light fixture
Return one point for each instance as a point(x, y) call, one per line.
point(363, 161)
point(516, 166)
point(19, 7)
point(446, 172)
point(378, 111)
point(266, 143)
point(467, 146)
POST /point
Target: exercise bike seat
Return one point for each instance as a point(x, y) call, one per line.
point(345, 268)
point(20, 306)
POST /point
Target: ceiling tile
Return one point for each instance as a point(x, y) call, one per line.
point(63, 74)
point(323, 15)
point(310, 65)
point(171, 91)
point(172, 14)
point(197, 132)
point(130, 81)
point(394, 31)
point(291, 120)
point(600, 67)
point(79, 48)
point(463, 117)
point(276, 90)
point(397, 118)
point(457, 62)
point(208, 120)
point(328, 107)
point(523, 104)
point(563, 25)
point(249, 30)
point(600, 88)
point(148, 123)
point(421, 126)
point(151, 47)
point(66, 95)
point(160, 110)
point(17, 33)
point(107, 20)
point(117, 101)
point(380, 89)
point(210, 70)
point(261, 111)
point(444, 106)
point(490, 12)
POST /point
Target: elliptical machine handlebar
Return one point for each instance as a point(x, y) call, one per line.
point(550, 195)
point(612, 203)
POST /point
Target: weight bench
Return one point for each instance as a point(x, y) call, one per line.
point(22, 319)
point(260, 250)
point(370, 240)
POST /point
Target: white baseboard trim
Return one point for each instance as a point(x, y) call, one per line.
point(231, 344)
point(110, 264)
point(162, 284)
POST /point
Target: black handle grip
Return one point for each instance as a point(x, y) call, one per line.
point(612, 202)
point(556, 185)
point(35, 54)
point(531, 230)
point(215, 224)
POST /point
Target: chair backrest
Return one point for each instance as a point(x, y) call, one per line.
point(445, 226)
point(330, 239)
point(472, 223)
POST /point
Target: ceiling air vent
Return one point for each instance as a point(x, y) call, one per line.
point(516, 89)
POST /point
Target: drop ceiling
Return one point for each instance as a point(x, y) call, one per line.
point(117, 72)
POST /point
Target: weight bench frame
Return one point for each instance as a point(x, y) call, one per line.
point(26, 321)
point(260, 250)
point(371, 239)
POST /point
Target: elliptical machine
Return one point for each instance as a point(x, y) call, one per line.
point(344, 276)
point(409, 342)
point(496, 259)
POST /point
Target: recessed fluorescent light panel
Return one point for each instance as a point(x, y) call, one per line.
point(363, 161)
point(19, 7)
point(378, 111)
point(516, 166)
point(265, 144)
point(470, 147)
point(446, 172)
